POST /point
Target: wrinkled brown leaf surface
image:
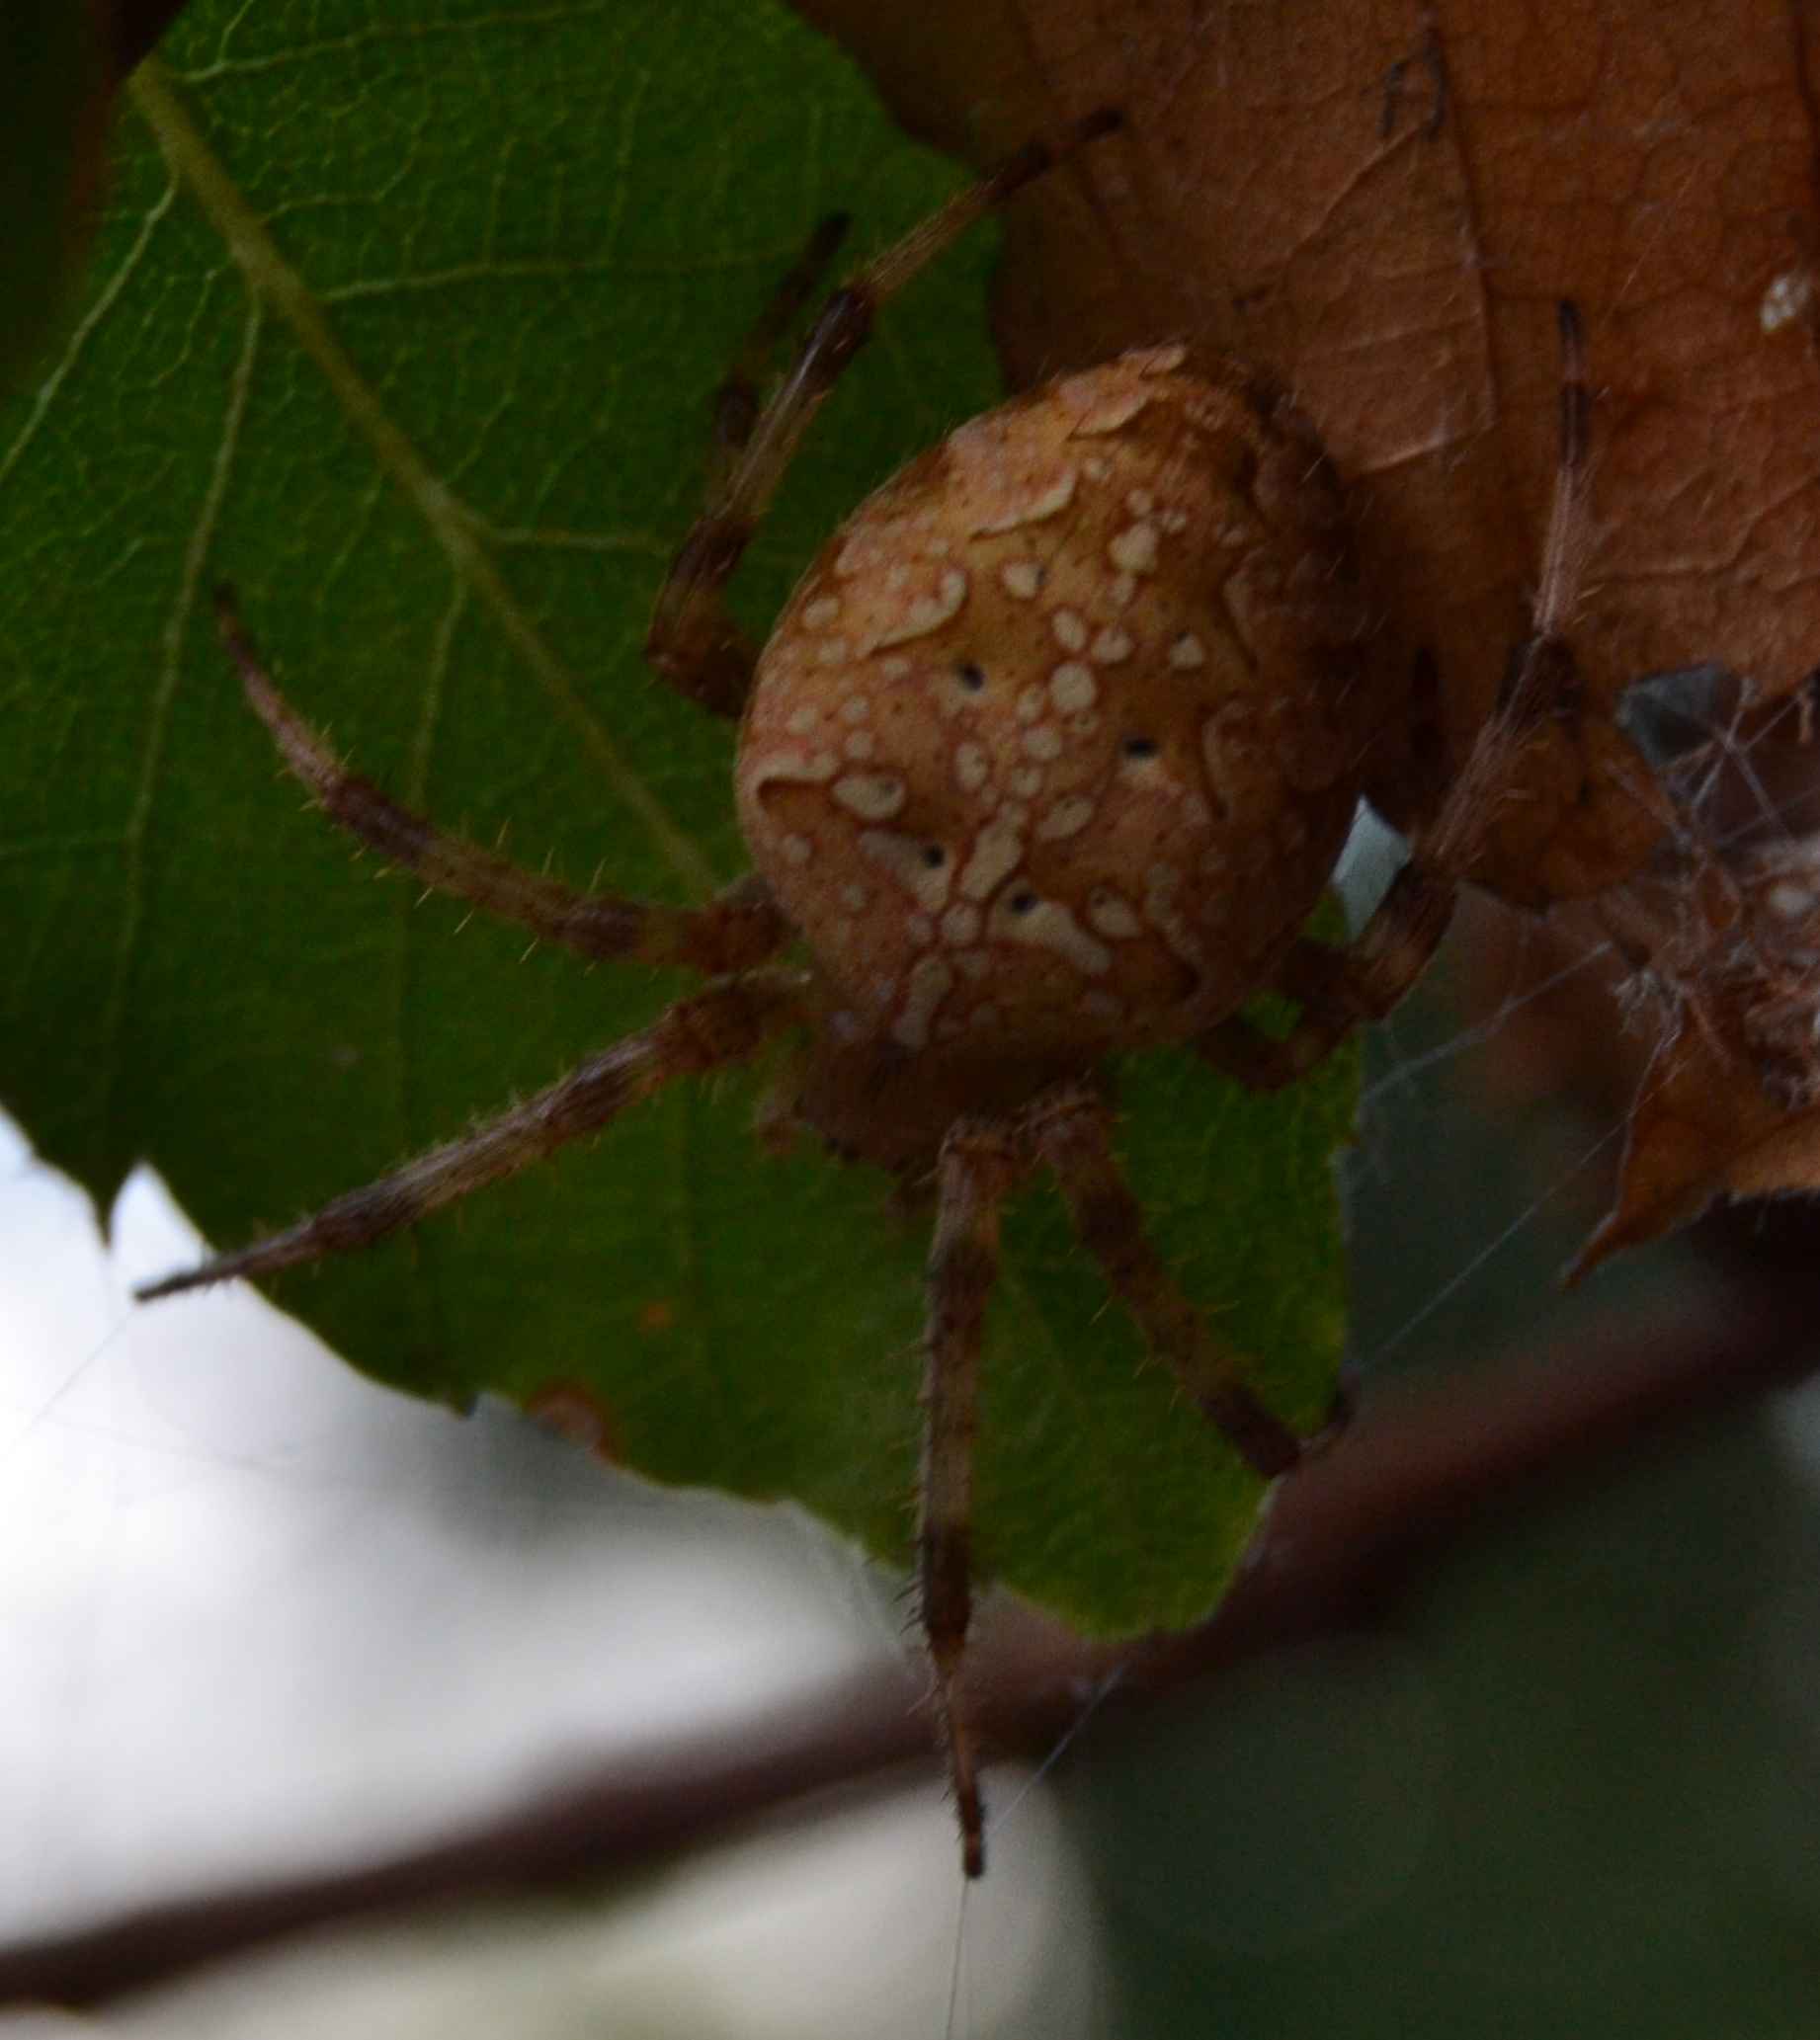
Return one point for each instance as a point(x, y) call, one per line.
point(1383, 204)
point(1703, 1128)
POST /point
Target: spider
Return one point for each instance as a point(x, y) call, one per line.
point(1049, 755)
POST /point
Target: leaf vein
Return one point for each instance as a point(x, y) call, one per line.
point(274, 282)
point(112, 1007)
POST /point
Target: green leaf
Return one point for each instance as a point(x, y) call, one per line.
point(408, 327)
point(54, 90)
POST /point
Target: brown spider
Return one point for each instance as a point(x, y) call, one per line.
point(1050, 755)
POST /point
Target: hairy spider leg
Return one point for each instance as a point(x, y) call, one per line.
point(1539, 676)
point(1068, 1131)
point(724, 1023)
point(1072, 1132)
point(982, 1163)
point(739, 929)
point(1342, 988)
point(693, 642)
point(1564, 552)
point(736, 406)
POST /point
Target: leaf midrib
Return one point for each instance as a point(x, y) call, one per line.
point(456, 530)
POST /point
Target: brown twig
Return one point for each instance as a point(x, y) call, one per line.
point(1344, 1538)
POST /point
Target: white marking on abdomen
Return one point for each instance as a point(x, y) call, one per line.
point(998, 850)
point(901, 857)
point(1048, 925)
point(931, 981)
point(873, 796)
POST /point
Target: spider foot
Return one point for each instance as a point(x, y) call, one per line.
point(962, 1750)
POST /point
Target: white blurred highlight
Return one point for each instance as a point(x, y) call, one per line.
point(259, 1616)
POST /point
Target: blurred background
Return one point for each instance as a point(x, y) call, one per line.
point(260, 1619)
point(262, 1622)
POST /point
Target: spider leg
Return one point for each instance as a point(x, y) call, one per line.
point(736, 406)
point(693, 642)
point(730, 934)
point(982, 1163)
point(1342, 988)
point(1072, 1131)
point(1565, 548)
point(725, 1023)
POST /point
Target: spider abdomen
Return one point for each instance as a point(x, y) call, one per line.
point(1054, 748)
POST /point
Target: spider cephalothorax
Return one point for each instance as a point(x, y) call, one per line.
point(1050, 755)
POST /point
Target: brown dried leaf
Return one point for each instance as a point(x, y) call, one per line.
point(1727, 943)
point(1382, 205)
point(1703, 1128)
